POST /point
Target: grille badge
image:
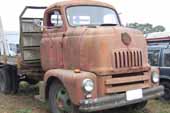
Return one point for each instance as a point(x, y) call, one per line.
point(126, 39)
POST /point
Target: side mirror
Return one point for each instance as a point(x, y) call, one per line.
point(38, 22)
point(54, 19)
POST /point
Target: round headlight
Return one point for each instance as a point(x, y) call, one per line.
point(155, 77)
point(88, 85)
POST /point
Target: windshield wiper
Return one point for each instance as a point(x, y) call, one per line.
point(108, 24)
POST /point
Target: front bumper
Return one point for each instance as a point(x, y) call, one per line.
point(117, 100)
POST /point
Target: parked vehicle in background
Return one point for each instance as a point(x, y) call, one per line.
point(12, 39)
point(86, 61)
point(159, 56)
point(158, 38)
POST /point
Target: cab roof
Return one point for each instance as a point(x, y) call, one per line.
point(79, 2)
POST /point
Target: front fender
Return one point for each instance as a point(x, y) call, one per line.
point(72, 82)
point(164, 77)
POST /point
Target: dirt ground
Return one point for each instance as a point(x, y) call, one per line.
point(24, 102)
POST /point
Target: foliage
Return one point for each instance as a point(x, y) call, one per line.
point(146, 28)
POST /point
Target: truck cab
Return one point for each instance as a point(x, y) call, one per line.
point(112, 60)
point(85, 59)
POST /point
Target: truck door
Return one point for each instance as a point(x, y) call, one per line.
point(51, 44)
point(165, 66)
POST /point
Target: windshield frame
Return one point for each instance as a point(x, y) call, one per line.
point(116, 14)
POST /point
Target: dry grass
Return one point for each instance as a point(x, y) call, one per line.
point(24, 102)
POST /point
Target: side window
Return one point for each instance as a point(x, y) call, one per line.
point(166, 58)
point(153, 56)
point(54, 19)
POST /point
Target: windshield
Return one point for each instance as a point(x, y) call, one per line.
point(91, 15)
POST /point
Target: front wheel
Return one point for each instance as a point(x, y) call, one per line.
point(59, 101)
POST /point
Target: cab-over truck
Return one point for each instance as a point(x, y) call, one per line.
point(85, 59)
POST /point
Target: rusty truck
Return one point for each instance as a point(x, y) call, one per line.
point(83, 57)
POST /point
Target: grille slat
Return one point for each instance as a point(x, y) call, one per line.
point(126, 88)
point(125, 59)
point(127, 81)
point(121, 82)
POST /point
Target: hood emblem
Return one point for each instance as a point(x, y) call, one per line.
point(126, 39)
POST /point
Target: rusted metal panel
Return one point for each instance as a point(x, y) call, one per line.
point(78, 2)
point(51, 51)
point(73, 82)
point(101, 87)
point(123, 82)
point(126, 88)
point(127, 79)
point(85, 52)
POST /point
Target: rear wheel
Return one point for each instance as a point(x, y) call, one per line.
point(59, 101)
point(166, 96)
point(8, 79)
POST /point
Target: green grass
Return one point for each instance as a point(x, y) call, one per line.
point(23, 111)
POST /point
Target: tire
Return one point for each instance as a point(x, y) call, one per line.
point(166, 96)
point(14, 79)
point(9, 81)
point(5, 85)
point(59, 101)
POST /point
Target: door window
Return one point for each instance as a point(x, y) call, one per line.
point(54, 19)
point(153, 56)
point(166, 58)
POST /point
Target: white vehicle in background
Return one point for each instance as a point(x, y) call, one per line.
point(9, 42)
point(12, 39)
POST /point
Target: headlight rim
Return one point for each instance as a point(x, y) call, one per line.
point(84, 82)
point(154, 74)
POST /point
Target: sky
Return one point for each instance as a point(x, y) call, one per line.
point(155, 12)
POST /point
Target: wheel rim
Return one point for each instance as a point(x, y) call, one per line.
point(63, 101)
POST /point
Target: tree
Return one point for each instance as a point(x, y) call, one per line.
point(159, 28)
point(146, 28)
